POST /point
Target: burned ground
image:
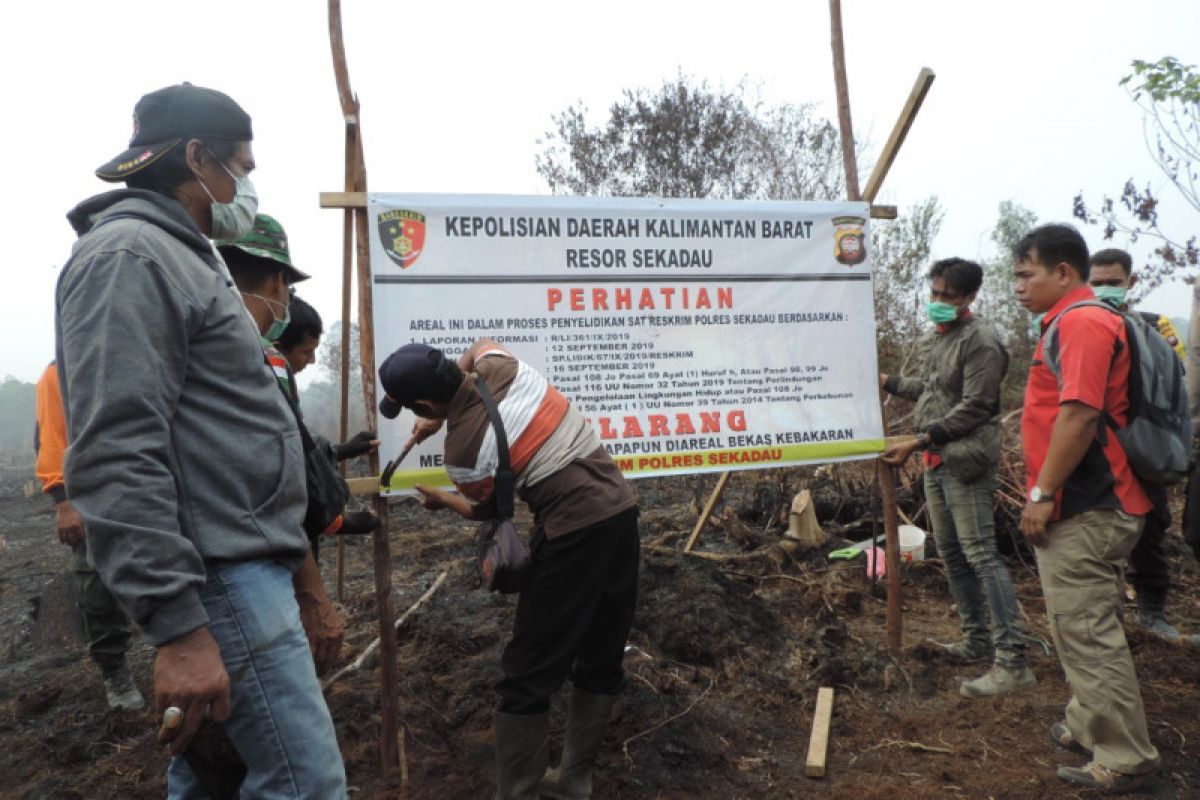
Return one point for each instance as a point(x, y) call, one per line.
point(724, 663)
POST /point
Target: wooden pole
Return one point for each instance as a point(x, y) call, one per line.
point(347, 270)
point(887, 477)
point(359, 200)
point(388, 743)
point(915, 98)
point(886, 474)
point(891, 530)
point(708, 508)
point(843, 100)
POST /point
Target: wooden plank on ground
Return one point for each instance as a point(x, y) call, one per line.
point(818, 743)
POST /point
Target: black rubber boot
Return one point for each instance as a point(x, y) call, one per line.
point(586, 721)
point(520, 755)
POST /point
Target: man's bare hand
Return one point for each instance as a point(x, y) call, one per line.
point(190, 675)
point(882, 380)
point(424, 428)
point(317, 614)
point(323, 627)
point(432, 499)
point(1034, 521)
point(69, 524)
point(897, 454)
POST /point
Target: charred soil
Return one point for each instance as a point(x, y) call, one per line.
point(727, 652)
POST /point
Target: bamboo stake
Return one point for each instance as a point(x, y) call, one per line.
point(388, 746)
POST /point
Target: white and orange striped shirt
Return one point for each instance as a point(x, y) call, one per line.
point(561, 468)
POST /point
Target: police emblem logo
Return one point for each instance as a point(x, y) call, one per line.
point(402, 234)
point(849, 240)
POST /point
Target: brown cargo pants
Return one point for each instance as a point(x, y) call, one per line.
point(1080, 571)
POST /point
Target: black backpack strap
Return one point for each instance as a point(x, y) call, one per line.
point(505, 481)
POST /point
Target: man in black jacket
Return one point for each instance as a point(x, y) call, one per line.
point(958, 424)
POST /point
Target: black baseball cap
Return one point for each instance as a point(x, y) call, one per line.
point(414, 372)
point(164, 118)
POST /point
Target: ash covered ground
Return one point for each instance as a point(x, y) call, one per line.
point(726, 656)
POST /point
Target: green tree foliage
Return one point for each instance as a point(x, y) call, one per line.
point(1168, 94)
point(18, 409)
point(686, 140)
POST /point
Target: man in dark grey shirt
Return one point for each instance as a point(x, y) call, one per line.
point(185, 462)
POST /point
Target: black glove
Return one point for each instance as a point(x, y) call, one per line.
point(359, 444)
point(355, 523)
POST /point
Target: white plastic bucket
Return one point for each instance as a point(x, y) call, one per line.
point(912, 543)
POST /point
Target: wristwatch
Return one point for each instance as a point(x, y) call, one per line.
point(923, 441)
point(1036, 495)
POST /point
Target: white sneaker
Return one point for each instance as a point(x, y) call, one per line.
point(121, 692)
point(997, 681)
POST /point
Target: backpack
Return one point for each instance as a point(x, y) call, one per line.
point(1157, 437)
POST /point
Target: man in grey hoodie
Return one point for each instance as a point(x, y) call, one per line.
point(184, 461)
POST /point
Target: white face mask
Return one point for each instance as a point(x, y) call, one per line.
point(235, 219)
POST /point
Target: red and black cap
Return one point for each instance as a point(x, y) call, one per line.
point(164, 118)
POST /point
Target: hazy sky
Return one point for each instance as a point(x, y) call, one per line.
point(455, 95)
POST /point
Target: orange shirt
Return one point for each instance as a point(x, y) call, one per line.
point(52, 434)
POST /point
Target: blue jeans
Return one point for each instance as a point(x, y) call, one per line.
point(965, 534)
point(279, 722)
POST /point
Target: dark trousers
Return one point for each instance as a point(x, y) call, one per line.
point(107, 628)
point(1191, 513)
point(574, 615)
point(1151, 572)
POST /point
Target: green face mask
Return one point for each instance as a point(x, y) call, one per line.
point(278, 324)
point(941, 313)
point(1113, 295)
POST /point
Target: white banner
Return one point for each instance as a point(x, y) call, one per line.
point(696, 336)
